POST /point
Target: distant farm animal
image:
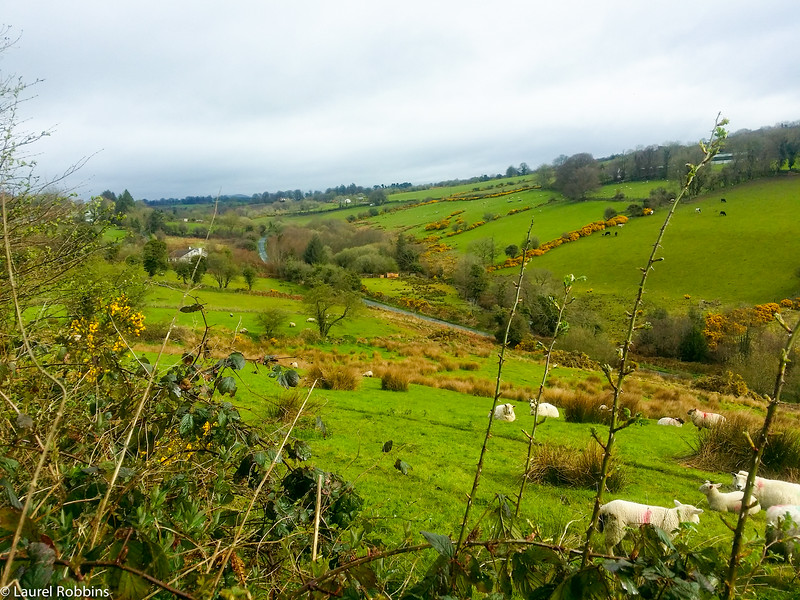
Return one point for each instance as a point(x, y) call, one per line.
point(705, 420)
point(722, 213)
point(607, 233)
point(617, 515)
point(367, 374)
point(545, 410)
point(722, 200)
point(311, 320)
point(674, 422)
point(293, 365)
point(616, 233)
point(726, 501)
point(783, 530)
point(697, 210)
point(291, 324)
point(230, 314)
point(243, 330)
point(769, 492)
point(504, 412)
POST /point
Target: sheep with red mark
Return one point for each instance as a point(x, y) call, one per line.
point(769, 492)
point(705, 420)
point(726, 501)
point(616, 516)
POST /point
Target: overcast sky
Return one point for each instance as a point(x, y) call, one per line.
point(172, 98)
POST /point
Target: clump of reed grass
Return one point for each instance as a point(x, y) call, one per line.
point(726, 448)
point(566, 466)
point(334, 376)
point(395, 379)
point(288, 404)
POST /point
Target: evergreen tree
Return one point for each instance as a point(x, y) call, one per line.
point(314, 253)
point(154, 256)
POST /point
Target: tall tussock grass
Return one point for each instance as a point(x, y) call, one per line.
point(560, 465)
point(726, 448)
point(333, 376)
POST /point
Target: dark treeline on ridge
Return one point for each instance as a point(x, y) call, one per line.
point(749, 154)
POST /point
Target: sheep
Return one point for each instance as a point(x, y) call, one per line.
point(697, 210)
point(722, 213)
point(675, 422)
point(291, 324)
point(769, 492)
point(243, 330)
point(783, 529)
point(367, 374)
point(504, 412)
point(617, 515)
point(725, 501)
point(705, 419)
point(293, 365)
point(722, 200)
point(545, 410)
point(311, 320)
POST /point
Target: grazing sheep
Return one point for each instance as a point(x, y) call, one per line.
point(783, 529)
point(725, 501)
point(722, 200)
point(545, 410)
point(674, 422)
point(311, 320)
point(293, 365)
point(291, 324)
point(367, 374)
point(697, 210)
point(617, 515)
point(705, 419)
point(769, 492)
point(504, 412)
point(243, 330)
point(722, 213)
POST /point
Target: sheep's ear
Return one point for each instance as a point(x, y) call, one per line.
point(677, 503)
point(697, 511)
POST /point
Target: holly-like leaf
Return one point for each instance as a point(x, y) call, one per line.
point(227, 385)
point(441, 543)
point(236, 361)
point(187, 425)
point(191, 308)
point(402, 466)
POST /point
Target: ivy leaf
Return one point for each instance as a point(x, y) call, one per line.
point(227, 385)
point(402, 466)
point(441, 543)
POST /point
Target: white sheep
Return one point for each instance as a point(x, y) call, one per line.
point(293, 365)
point(783, 529)
point(725, 501)
point(291, 324)
point(617, 515)
point(545, 410)
point(674, 422)
point(769, 492)
point(367, 374)
point(705, 419)
point(504, 412)
point(311, 320)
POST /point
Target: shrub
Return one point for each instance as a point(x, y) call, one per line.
point(725, 448)
point(729, 383)
point(334, 376)
point(559, 465)
point(395, 379)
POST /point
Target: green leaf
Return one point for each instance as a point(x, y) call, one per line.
point(40, 569)
point(191, 308)
point(237, 361)
point(187, 425)
point(226, 385)
point(441, 543)
point(402, 466)
point(387, 447)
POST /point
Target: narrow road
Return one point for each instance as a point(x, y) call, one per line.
point(401, 311)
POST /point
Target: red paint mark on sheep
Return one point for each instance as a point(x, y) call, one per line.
point(648, 515)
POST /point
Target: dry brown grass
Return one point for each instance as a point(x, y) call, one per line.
point(333, 376)
point(567, 466)
point(395, 379)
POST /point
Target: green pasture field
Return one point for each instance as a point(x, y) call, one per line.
point(115, 234)
point(492, 185)
point(439, 433)
point(161, 305)
point(633, 190)
point(748, 256)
